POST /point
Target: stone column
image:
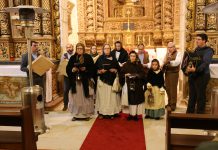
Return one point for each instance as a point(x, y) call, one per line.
point(200, 19)
point(90, 16)
point(211, 18)
point(157, 21)
point(100, 16)
point(46, 18)
point(5, 29)
point(37, 30)
point(168, 21)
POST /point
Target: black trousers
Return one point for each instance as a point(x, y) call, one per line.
point(66, 90)
point(197, 93)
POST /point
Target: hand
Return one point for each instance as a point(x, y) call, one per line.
point(127, 74)
point(75, 69)
point(190, 69)
point(145, 65)
point(149, 86)
point(82, 68)
point(101, 71)
point(113, 70)
point(121, 65)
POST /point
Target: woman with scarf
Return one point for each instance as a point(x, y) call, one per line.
point(80, 70)
point(94, 53)
point(154, 96)
point(134, 75)
point(107, 101)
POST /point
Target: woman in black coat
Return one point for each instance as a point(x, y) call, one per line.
point(134, 75)
point(80, 70)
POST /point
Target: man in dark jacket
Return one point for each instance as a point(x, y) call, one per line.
point(199, 75)
point(37, 80)
point(120, 53)
point(65, 57)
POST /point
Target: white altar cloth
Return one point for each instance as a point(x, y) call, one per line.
point(12, 71)
point(214, 71)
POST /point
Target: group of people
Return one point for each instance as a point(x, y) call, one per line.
point(115, 80)
point(92, 82)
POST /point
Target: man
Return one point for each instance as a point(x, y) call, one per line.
point(37, 80)
point(65, 57)
point(143, 57)
point(199, 75)
point(120, 53)
point(171, 68)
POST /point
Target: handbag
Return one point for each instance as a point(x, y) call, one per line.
point(116, 85)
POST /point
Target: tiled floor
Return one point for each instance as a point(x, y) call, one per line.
point(65, 134)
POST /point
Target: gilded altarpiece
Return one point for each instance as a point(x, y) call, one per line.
point(198, 22)
point(152, 22)
point(46, 32)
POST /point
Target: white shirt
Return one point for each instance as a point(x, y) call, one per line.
point(177, 61)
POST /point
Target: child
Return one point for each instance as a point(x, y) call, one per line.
point(154, 96)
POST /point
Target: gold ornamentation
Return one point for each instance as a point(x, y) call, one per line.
point(4, 51)
point(4, 20)
point(100, 16)
point(46, 18)
point(90, 16)
point(37, 22)
point(56, 52)
point(20, 49)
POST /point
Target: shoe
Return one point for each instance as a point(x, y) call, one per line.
point(167, 105)
point(157, 118)
point(87, 119)
point(147, 117)
point(65, 108)
point(73, 119)
point(135, 118)
point(100, 116)
point(129, 117)
point(117, 115)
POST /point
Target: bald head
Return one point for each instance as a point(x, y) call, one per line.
point(69, 48)
point(171, 47)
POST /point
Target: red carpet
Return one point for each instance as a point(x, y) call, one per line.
point(116, 134)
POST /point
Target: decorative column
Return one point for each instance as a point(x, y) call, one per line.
point(100, 38)
point(211, 18)
point(5, 29)
point(200, 23)
point(190, 24)
point(168, 21)
point(100, 16)
point(157, 22)
point(90, 16)
point(46, 18)
point(56, 14)
point(37, 30)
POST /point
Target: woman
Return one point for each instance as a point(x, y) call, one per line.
point(94, 53)
point(154, 96)
point(80, 70)
point(107, 101)
point(134, 75)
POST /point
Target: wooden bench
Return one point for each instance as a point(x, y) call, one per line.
point(18, 140)
point(188, 121)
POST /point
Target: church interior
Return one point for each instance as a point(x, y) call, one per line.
point(153, 23)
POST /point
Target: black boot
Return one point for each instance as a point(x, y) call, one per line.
point(135, 118)
point(130, 117)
